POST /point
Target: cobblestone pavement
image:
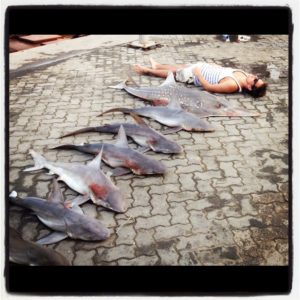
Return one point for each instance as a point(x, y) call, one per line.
point(223, 201)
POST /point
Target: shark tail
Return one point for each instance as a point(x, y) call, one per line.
point(39, 161)
point(83, 130)
point(66, 146)
point(119, 86)
point(121, 109)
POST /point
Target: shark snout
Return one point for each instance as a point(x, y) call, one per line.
point(115, 201)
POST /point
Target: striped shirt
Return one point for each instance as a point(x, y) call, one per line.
point(214, 74)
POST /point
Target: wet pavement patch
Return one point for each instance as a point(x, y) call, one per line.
point(256, 223)
point(260, 70)
point(229, 253)
point(227, 62)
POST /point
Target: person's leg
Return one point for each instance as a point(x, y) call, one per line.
point(148, 71)
point(157, 66)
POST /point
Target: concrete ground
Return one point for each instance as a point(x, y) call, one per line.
point(223, 201)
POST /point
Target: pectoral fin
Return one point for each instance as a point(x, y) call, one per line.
point(79, 200)
point(120, 171)
point(52, 238)
point(142, 149)
point(171, 130)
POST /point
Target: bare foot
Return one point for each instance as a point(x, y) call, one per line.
point(154, 64)
point(140, 69)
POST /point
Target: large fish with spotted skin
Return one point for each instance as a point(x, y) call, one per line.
point(32, 254)
point(193, 100)
point(66, 221)
point(88, 180)
point(171, 115)
point(141, 133)
point(121, 157)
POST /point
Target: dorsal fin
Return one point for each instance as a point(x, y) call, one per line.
point(121, 138)
point(169, 80)
point(129, 78)
point(138, 119)
point(55, 194)
point(96, 162)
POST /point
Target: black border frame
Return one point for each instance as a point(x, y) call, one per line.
point(154, 280)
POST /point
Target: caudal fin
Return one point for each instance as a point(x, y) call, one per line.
point(66, 147)
point(83, 130)
point(121, 109)
point(39, 161)
point(119, 86)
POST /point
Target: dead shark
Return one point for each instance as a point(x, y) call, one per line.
point(57, 215)
point(193, 100)
point(121, 157)
point(32, 254)
point(141, 133)
point(171, 115)
point(88, 180)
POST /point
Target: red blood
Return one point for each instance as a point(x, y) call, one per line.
point(99, 191)
point(160, 102)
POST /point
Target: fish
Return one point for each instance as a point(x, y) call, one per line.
point(32, 254)
point(196, 101)
point(171, 115)
point(121, 157)
point(142, 134)
point(88, 180)
point(60, 217)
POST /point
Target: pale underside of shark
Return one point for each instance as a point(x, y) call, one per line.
point(88, 180)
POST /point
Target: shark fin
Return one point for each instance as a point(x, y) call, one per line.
point(120, 171)
point(169, 80)
point(131, 79)
point(171, 130)
point(138, 119)
point(143, 149)
point(96, 162)
point(55, 194)
point(121, 138)
point(39, 161)
point(52, 238)
point(80, 199)
point(119, 86)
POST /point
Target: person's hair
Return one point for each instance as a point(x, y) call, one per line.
point(257, 92)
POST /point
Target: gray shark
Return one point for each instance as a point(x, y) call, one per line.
point(171, 115)
point(121, 157)
point(57, 215)
point(88, 180)
point(141, 133)
point(193, 100)
point(32, 254)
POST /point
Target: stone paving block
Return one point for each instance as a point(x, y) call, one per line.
point(142, 260)
point(118, 252)
point(126, 235)
point(179, 213)
point(173, 231)
point(168, 256)
point(84, 258)
point(157, 220)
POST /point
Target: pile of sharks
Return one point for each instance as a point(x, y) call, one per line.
point(173, 105)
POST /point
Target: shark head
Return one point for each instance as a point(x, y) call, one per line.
point(88, 230)
point(108, 196)
point(164, 145)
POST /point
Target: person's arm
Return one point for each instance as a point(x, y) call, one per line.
point(225, 87)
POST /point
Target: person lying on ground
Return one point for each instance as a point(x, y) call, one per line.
point(210, 77)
